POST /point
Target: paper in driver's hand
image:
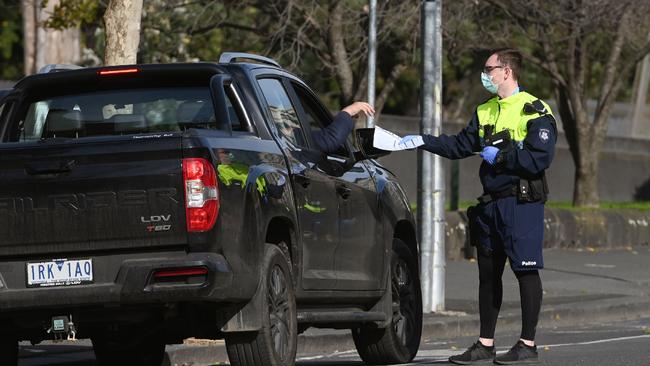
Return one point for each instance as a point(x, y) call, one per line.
point(389, 141)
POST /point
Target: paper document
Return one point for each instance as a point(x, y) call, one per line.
point(389, 141)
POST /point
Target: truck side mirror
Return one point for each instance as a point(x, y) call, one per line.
point(364, 139)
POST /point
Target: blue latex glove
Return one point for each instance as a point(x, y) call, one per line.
point(489, 154)
point(411, 142)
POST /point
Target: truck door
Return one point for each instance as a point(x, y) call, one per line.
point(314, 191)
point(359, 255)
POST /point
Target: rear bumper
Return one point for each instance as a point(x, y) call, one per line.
point(127, 279)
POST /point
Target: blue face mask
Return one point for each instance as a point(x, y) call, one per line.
point(488, 84)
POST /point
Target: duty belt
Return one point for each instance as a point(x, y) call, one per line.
point(489, 197)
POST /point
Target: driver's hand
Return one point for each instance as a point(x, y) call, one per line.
point(356, 107)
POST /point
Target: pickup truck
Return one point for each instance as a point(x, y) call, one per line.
point(144, 204)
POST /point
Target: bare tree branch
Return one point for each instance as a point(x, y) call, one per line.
point(388, 87)
point(607, 92)
point(336, 43)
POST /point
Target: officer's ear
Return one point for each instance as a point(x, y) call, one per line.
point(508, 72)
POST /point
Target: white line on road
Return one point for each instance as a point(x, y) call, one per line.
point(593, 342)
point(335, 354)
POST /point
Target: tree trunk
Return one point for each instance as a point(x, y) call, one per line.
point(56, 46)
point(122, 22)
point(29, 8)
point(389, 85)
point(336, 45)
point(585, 189)
point(584, 146)
point(45, 46)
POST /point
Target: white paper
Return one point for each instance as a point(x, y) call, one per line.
point(389, 141)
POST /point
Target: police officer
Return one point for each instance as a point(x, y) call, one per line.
point(333, 136)
point(515, 134)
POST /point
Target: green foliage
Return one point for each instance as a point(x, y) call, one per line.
point(9, 35)
point(11, 51)
point(404, 99)
point(73, 13)
point(639, 205)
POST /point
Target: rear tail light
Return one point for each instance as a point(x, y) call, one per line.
point(201, 194)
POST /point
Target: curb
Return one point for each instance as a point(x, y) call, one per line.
point(318, 341)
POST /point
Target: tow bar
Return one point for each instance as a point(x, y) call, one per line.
point(63, 326)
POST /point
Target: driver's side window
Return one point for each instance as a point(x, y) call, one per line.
point(316, 115)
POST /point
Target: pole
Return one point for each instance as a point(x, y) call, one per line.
point(639, 124)
point(425, 160)
point(439, 263)
point(430, 190)
point(372, 59)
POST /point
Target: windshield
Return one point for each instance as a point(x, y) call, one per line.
point(118, 112)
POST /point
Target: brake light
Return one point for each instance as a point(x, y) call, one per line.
point(201, 194)
point(118, 71)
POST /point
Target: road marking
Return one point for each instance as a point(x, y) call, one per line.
point(436, 353)
point(593, 342)
point(335, 354)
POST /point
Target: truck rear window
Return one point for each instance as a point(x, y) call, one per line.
point(118, 112)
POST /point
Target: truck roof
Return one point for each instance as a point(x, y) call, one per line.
point(54, 72)
point(145, 75)
point(141, 71)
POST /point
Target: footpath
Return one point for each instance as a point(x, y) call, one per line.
point(581, 286)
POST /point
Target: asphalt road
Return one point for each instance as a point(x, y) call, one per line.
point(621, 343)
point(624, 343)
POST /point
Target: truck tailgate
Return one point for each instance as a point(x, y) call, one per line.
point(97, 194)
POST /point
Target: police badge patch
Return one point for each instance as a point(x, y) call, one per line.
point(544, 135)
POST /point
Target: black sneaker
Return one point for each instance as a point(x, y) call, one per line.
point(476, 354)
point(519, 354)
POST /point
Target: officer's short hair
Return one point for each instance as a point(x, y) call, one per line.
point(510, 57)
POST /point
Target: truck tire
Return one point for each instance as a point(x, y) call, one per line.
point(275, 344)
point(129, 348)
point(8, 352)
point(399, 342)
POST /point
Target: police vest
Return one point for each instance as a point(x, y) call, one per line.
point(512, 114)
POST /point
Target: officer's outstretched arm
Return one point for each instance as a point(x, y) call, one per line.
point(538, 149)
point(457, 146)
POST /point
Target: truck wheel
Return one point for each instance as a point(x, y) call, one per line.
point(129, 349)
point(275, 344)
point(8, 352)
point(399, 342)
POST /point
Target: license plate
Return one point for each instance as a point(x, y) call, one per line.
point(60, 272)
